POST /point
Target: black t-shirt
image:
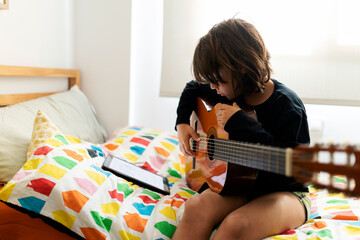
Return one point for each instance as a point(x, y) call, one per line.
point(281, 121)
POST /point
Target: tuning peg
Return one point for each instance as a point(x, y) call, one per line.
point(356, 148)
point(333, 146)
point(317, 145)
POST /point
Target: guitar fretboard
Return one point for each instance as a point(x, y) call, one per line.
point(272, 159)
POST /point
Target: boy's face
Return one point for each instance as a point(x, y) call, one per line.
point(224, 88)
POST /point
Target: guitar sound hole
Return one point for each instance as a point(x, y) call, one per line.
point(211, 147)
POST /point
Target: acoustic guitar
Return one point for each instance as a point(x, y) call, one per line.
point(221, 162)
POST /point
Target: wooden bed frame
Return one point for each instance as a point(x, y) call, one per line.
point(73, 76)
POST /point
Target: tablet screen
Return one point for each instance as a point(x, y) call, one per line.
point(136, 172)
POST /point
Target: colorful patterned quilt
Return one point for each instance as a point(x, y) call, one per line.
point(333, 216)
point(63, 180)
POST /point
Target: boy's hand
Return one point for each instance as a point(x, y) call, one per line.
point(185, 132)
point(225, 112)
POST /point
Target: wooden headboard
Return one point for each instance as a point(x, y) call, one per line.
point(73, 76)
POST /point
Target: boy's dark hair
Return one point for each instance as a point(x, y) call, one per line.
point(237, 47)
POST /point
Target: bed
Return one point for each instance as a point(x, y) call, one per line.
point(52, 146)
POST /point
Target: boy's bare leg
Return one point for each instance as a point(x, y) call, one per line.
point(203, 212)
point(262, 217)
point(265, 216)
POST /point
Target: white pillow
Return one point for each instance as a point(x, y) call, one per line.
point(71, 111)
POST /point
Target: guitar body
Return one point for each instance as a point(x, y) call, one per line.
point(220, 176)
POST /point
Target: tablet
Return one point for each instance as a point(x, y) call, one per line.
point(136, 174)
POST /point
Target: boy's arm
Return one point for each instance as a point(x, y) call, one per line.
point(188, 100)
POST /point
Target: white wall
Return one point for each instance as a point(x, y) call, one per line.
point(102, 52)
point(338, 124)
point(146, 107)
point(36, 33)
point(85, 34)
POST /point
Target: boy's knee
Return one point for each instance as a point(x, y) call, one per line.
point(199, 207)
point(234, 225)
point(194, 204)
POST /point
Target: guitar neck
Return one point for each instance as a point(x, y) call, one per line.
point(271, 159)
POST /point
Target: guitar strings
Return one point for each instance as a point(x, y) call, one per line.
point(259, 163)
point(244, 147)
point(225, 142)
point(223, 148)
point(240, 145)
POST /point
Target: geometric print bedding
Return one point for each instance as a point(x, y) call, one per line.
point(333, 216)
point(63, 180)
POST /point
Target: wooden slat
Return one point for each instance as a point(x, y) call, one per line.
point(73, 76)
point(9, 99)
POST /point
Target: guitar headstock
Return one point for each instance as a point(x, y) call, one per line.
point(324, 164)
